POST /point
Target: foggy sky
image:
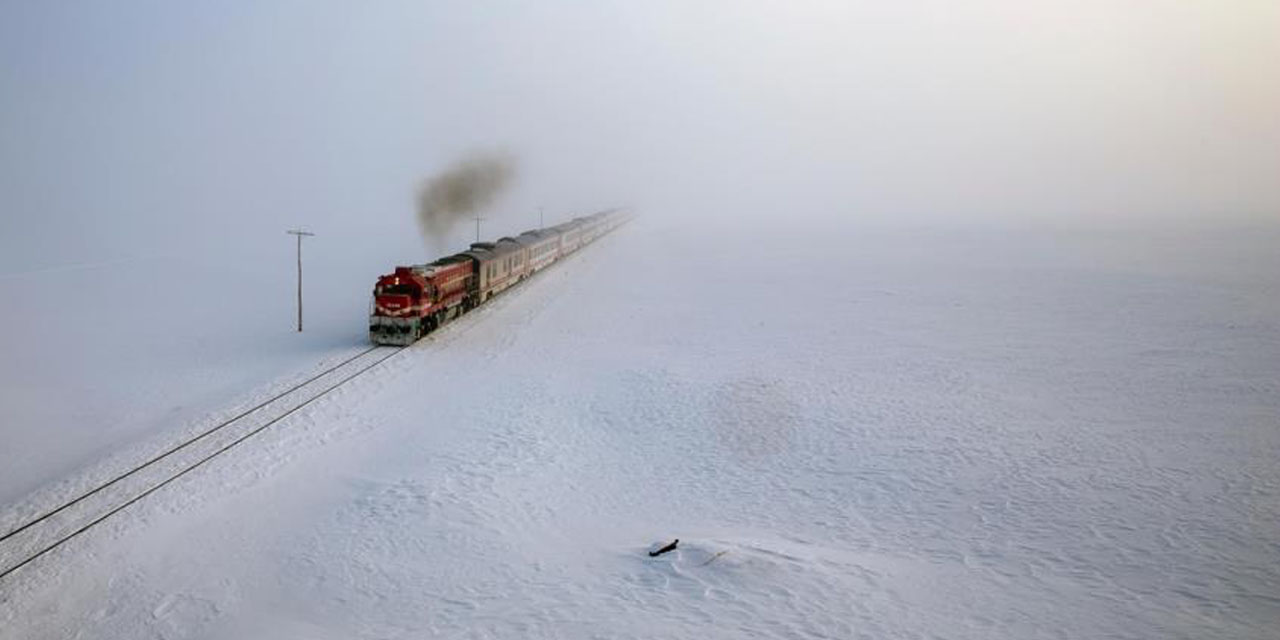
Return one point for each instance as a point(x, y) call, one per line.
point(131, 128)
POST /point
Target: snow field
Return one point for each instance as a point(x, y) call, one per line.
point(104, 359)
point(887, 436)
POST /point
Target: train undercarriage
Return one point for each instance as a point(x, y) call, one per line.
point(405, 331)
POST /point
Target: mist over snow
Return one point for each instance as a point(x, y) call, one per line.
point(140, 128)
point(937, 319)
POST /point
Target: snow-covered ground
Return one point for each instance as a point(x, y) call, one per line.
point(101, 355)
point(873, 434)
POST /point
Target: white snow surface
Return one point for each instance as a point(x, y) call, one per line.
point(867, 434)
point(101, 355)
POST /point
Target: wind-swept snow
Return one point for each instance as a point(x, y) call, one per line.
point(853, 435)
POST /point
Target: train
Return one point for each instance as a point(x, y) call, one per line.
point(413, 301)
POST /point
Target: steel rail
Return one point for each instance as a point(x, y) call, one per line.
point(196, 464)
point(182, 445)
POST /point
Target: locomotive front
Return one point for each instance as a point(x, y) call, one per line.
point(398, 302)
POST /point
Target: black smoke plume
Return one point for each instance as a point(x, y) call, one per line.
point(462, 191)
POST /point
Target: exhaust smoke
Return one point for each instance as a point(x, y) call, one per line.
point(462, 190)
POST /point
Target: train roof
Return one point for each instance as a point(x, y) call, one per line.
point(448, 260)
point(485, 251)
point(434, 267)
point(567, 226)
point(534, 236)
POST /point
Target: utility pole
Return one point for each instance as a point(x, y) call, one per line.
point(478, 220)
point(299, 233)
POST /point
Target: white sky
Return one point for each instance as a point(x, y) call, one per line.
point(128, 127)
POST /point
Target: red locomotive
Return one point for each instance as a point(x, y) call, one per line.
point(414, 301)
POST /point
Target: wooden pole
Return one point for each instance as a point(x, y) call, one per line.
point(299, 233)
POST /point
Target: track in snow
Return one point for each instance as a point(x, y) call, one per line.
point(40, 535)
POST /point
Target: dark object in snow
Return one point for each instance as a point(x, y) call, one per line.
point(713, 558)
point(670, 547)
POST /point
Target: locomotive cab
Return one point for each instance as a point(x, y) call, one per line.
point(397, 300)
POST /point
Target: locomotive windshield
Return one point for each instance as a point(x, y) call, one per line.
point(397, 290)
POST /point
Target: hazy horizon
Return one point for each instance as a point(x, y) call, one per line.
point(131, 128)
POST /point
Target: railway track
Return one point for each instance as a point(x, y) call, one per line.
point(42, 534)
point(39, 535)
